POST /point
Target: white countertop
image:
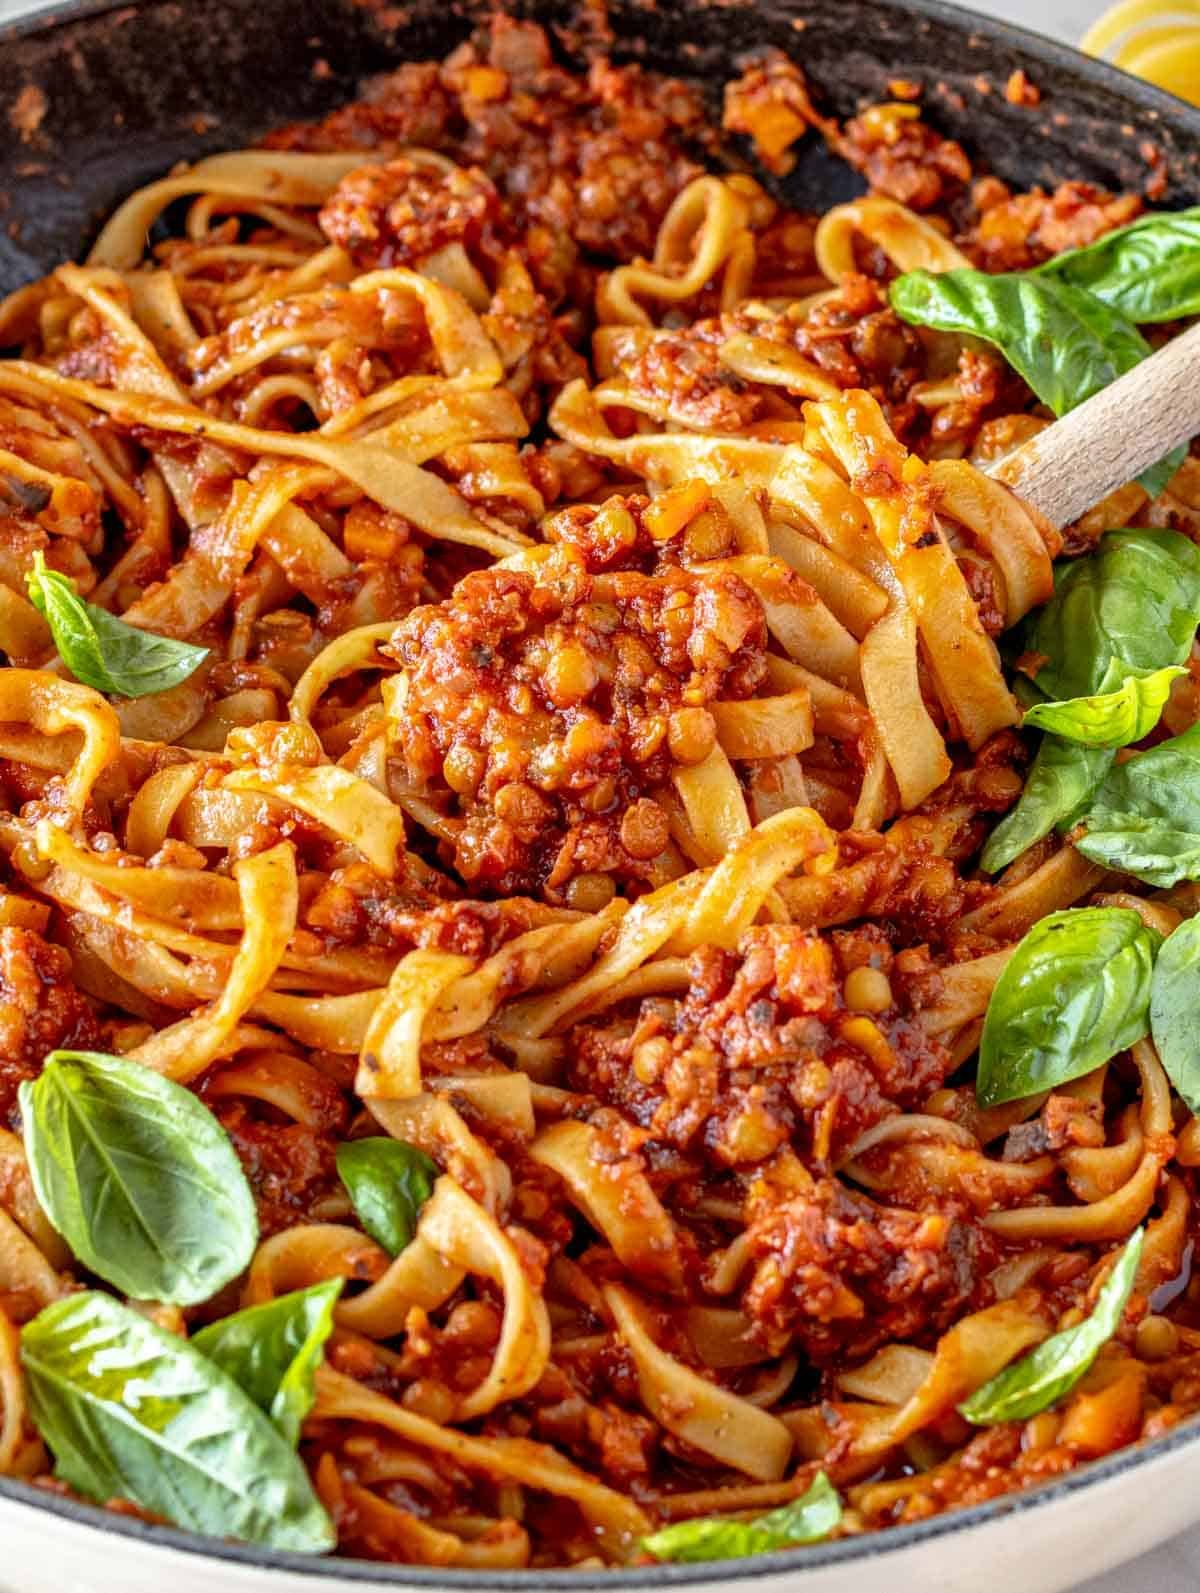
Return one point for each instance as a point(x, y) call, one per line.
point(1062, 19)
point(1175, 1568)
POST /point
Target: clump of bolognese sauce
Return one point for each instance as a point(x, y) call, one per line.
point(401, 212)
point(542, 707)
point(752, 1087)
point(841, 1274)
point(798, 1038)
point(591, 160)
point(41, 1010)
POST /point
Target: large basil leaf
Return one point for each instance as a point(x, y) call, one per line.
point(1075, 992)
point(133, 1412)
point(1055, 1366)
point(272, 1351)
point(1148, 271)
point(1131, 607)
point(1175, 1009)
point(138, 1176)
point(1110, 719)
point(102, 651)
point(814, 1515)
point(1145, 818)
point(1060, 781)
point(1065, 342)
point(388, 1181)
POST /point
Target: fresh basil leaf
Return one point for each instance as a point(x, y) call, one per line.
point(388, 1181)
point(133, 1412)
point(272, 1351)
point(814, 1515)
point(138, 1177)
point(1026, 692)
point(1065, 343)
point(1051, 1370)
point(1130, 607)
point(1174, 1008)
point(1074, 993)
point(1145, 818)
point(1148, 271)
point(1060, 782)
point(1111, 719)
point(103, 651)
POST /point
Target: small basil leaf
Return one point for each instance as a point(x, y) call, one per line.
point(272, 1351)
point(1174, 1006)
point(1130, 607)
point(1066, 344)
point(388, 1181)
point(103, 651)
point(1060, 781)
point(138, 1177)
point(1056, 1365)
point(814, 1515)
point(133, 1412)
point(1074, 993)
point(1113, 718)
point(1145, 818)
point(1148, 271)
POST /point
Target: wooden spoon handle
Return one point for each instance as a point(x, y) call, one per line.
point(1109, 440)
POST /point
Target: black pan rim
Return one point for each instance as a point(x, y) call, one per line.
point(1155, 103)
point(875, 1548)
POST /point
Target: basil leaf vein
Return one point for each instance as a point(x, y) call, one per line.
point(133, 1412)
point(1175, 1007)
point(138, 1177)
point(1144, 819)
point(1061, 779)
point(1074, 993)
point(1147, 271)
point(388, 1182)
point(103, 651)
point(1109, 719)
point(814, 1515)
point(1051, 1370)
point(272, 1351)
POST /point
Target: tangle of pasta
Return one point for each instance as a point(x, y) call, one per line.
point(601, 719)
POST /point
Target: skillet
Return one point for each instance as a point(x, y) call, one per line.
point(97, 98)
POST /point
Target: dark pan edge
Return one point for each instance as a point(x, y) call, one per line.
point(1159, 103)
